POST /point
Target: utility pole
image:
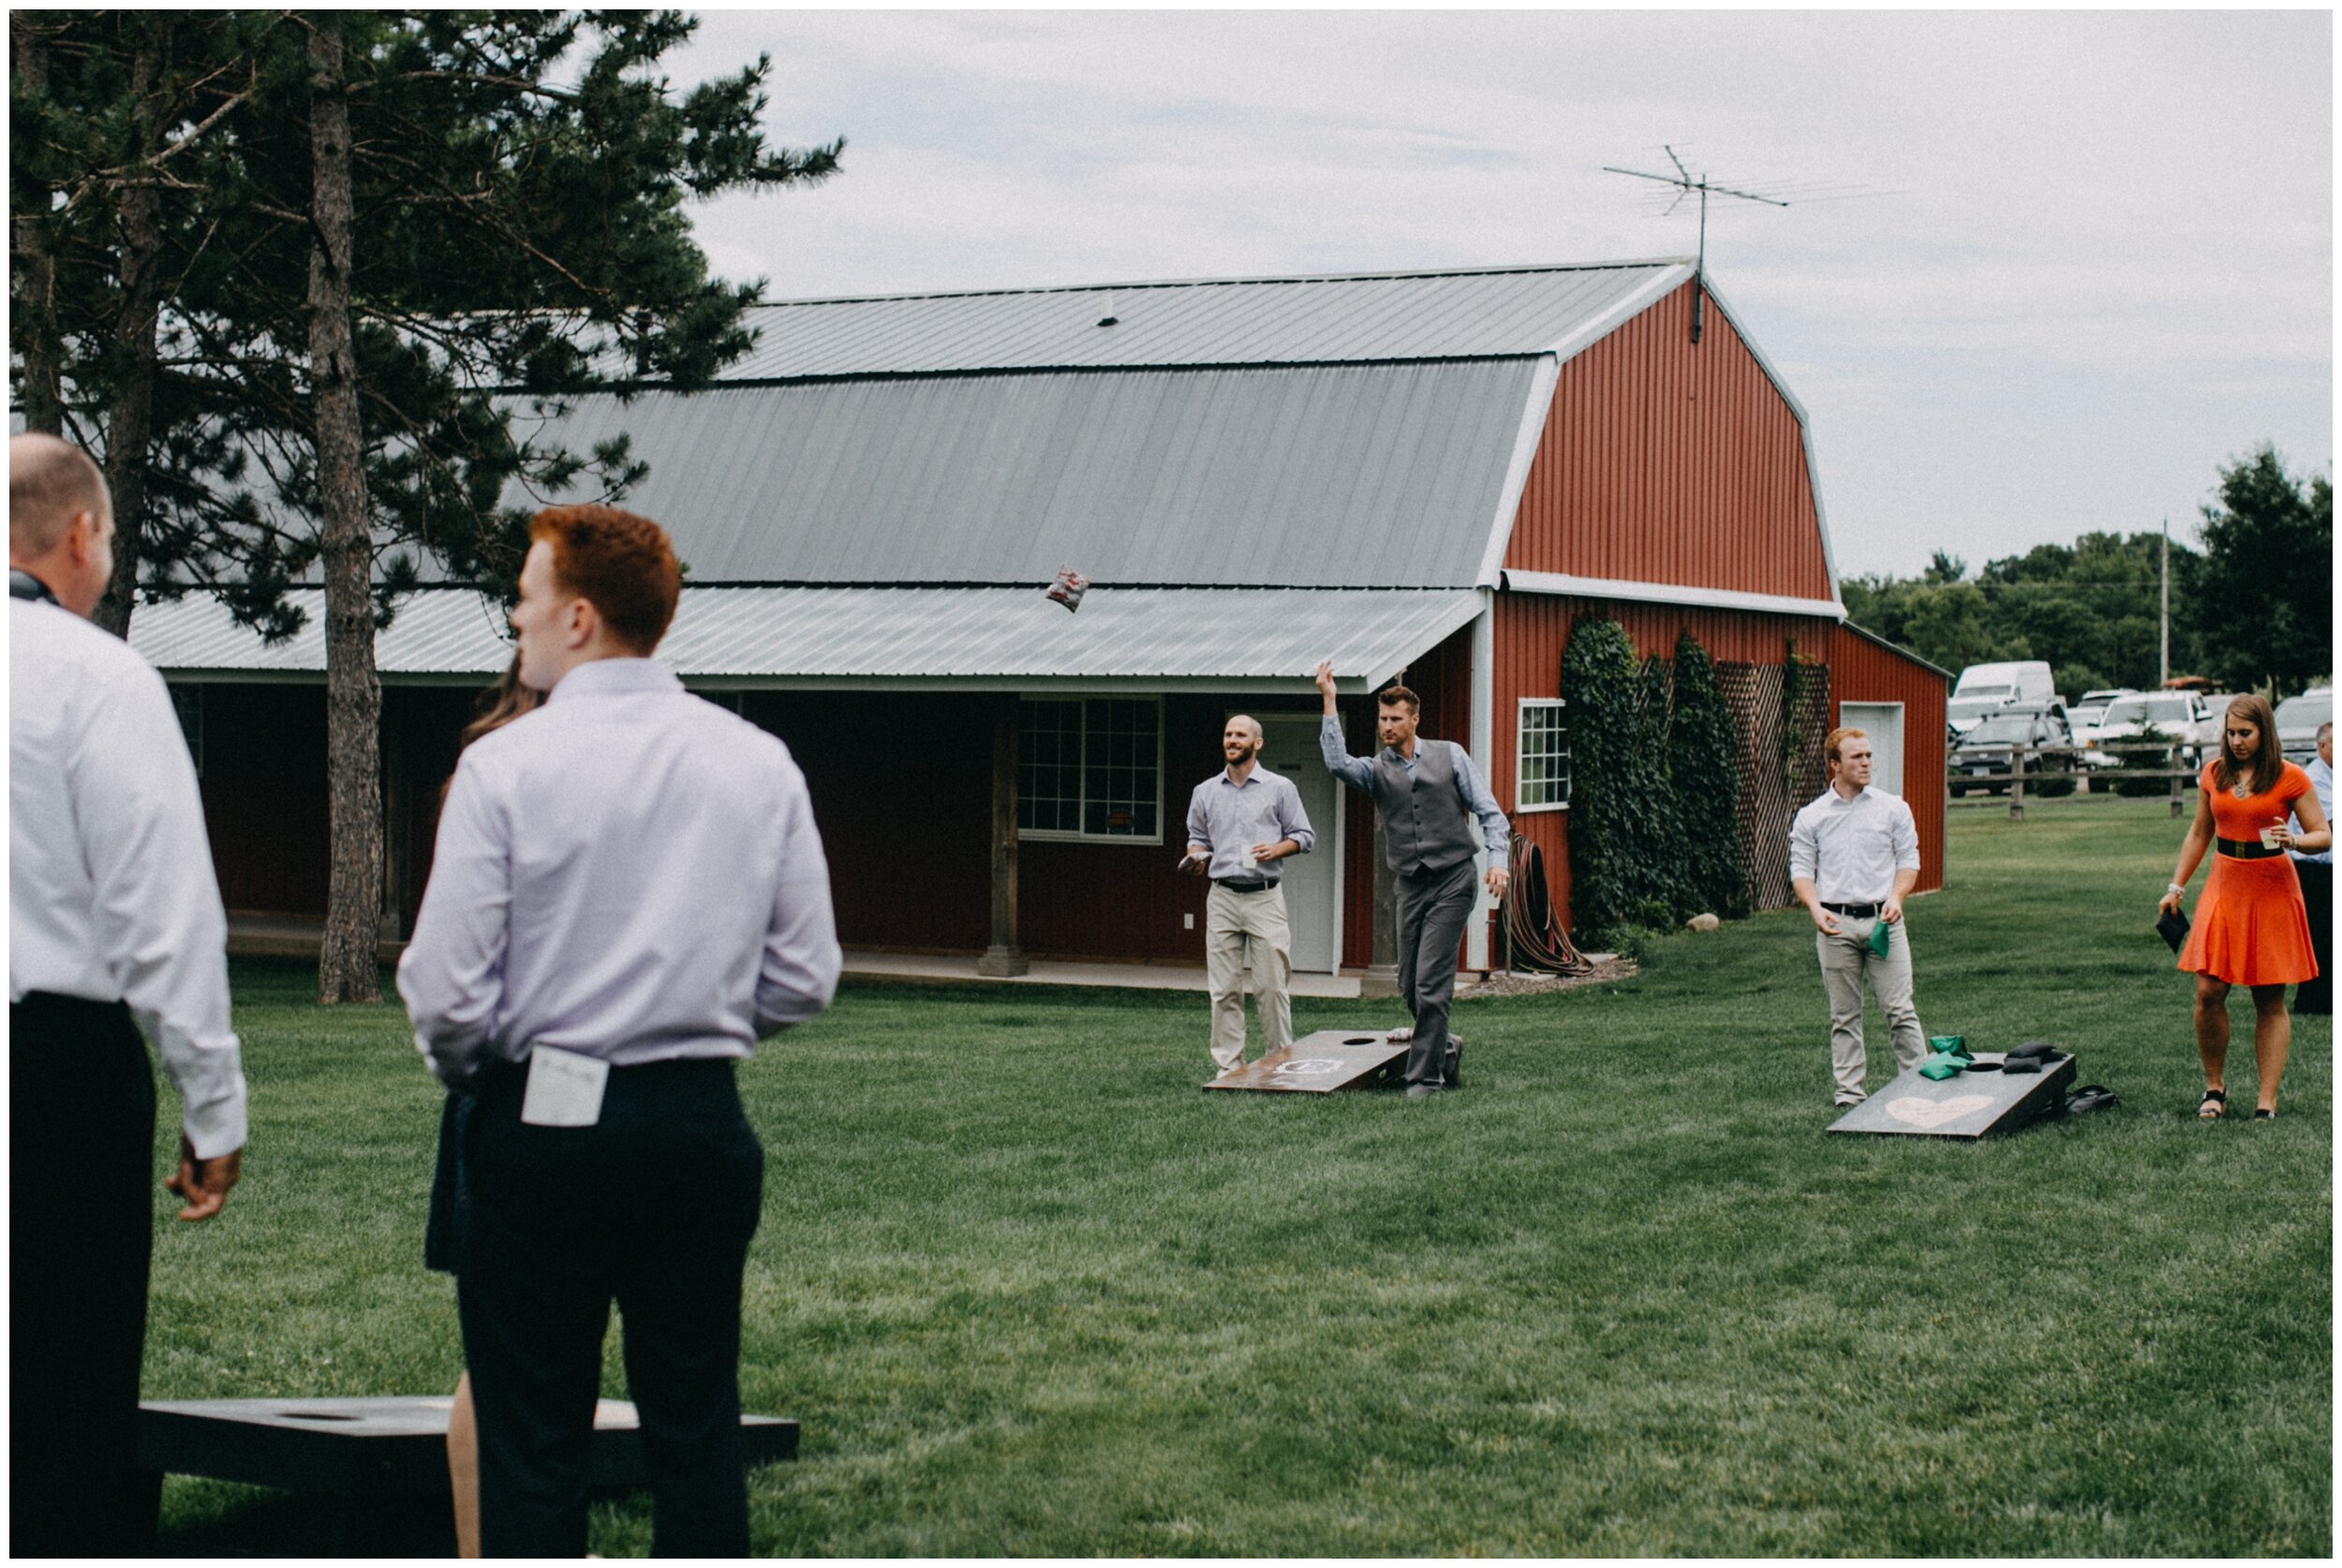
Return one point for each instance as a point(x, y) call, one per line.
point(2163, 637)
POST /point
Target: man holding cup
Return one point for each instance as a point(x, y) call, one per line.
point(1240, 821)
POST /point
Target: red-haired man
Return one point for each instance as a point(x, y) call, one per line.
point(628, 893)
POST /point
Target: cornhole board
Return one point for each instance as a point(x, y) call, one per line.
point(1967, 1105)
point(374, 1448)
point(1321, 1063)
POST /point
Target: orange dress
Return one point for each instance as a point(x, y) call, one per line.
point(2251, 928)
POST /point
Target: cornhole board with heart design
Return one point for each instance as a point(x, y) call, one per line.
point(374, 1448)
point(1966, 1106)
point(1320, 1063)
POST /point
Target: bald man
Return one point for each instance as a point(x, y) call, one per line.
point(1240, 822)
point(114, 927)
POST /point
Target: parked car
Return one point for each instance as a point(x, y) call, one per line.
point(2172, 714)
point(2025, 680)
point(2090, 710)
point(1962, 714)
point(1984, 749)
point(2297, 719)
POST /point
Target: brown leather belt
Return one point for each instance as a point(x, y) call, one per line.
point(2246, 848)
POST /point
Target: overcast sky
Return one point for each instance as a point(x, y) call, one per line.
point(2097, 263)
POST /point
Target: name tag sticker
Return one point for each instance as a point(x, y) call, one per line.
point(564, 1088)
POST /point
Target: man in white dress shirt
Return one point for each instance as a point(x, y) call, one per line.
point(1854, 856)
point(1240, 822)
point(114, 926)
point(628, 893)
point(2317, 873)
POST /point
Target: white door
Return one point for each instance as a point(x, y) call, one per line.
point(1882, 723)
point(1311, 883)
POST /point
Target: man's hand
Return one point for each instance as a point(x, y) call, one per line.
point(1326, 682)
point(1498, 881)
point(1267, 853)
point(1891, 911)
point(1824, 921)
point(204, 1183)
point(1197, 862)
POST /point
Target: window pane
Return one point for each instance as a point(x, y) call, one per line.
point(1048, 752)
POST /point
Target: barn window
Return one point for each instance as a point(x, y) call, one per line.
point(1544, 755)
point(1091, 767)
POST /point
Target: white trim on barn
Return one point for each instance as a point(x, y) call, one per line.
point(1563, 583)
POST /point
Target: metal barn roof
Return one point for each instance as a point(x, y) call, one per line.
point(1345, 475)
point(1490, 312)
point(1222, 638)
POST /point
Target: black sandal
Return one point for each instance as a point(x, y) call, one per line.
point(2269, 1115)
point(2215, 1105)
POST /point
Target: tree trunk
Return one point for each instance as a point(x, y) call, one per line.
point(354, 695)
point(129, 418)
point(31, 276)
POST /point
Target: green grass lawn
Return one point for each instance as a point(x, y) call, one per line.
point(1031, 1293)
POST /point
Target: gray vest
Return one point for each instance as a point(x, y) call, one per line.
point(1425, 827)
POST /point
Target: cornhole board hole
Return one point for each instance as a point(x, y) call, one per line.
point(1968, 1106)
point(1321, 1063)
point(374, 1448)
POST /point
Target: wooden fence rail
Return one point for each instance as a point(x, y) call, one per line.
point(2025, 763)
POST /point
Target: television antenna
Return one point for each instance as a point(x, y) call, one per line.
point(1685, 186)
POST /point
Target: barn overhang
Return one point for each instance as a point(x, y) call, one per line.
point(974, 639)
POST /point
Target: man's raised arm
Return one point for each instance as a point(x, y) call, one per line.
point(1356, 772)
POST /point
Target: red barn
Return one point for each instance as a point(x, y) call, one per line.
point(1426, 476)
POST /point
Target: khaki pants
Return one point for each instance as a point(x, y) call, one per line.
point(1846, 960)
point(1240, 928)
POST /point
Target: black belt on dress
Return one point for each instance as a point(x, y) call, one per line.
point(1234, 886)
point(1860, 911)
point(2246, 848)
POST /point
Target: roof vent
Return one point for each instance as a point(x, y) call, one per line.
point(1109, 321)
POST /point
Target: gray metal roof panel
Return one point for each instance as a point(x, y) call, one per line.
point(1343, 475)
point(1236, 321)
point(931, 634)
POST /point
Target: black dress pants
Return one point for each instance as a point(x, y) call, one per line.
point(653, 1208)
point(1433, 907)
point(80, 1232)
point(2316, 995)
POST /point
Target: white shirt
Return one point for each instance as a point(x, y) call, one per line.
point(110, 891)
point(628, 872)
point(2321, 782)
point(1850, 850)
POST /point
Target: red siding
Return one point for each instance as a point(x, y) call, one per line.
point(1865, 671)
point(1667, 461)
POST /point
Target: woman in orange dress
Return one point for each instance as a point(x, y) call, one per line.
point(2250, 927)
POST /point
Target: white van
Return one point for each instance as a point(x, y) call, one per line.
point(2027, 681)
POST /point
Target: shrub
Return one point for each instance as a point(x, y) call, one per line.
point(2129, 766)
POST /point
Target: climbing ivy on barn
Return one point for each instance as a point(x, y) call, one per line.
point(1654, 786)
point(1623, 854)
point(1704, 756)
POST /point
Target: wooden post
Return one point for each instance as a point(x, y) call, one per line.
point(1004, 958)
point(2171, 761)
point(2016, 781)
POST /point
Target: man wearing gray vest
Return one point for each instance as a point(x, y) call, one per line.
point(1429, 795)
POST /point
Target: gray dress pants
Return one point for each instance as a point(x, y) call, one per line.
point(1432, 909)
